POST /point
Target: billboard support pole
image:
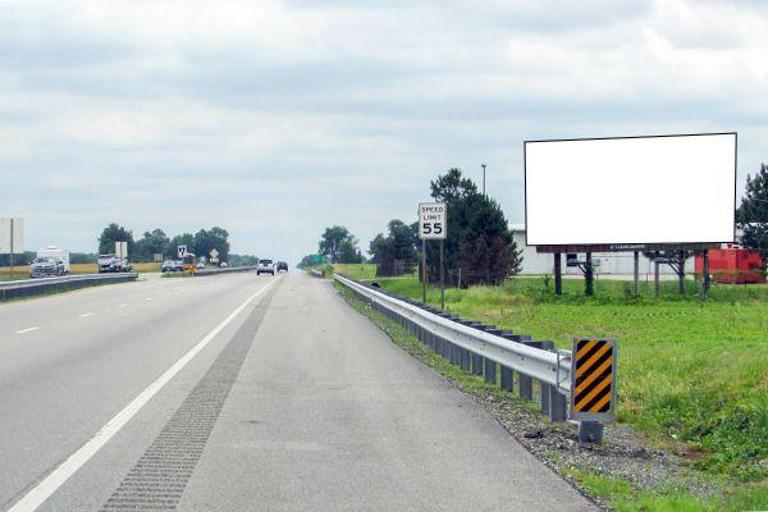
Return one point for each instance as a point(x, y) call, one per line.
point(681, 272)
point(424, 271)
point(442, 275)
point(10, 256)
point(558, 275)
point(656, 287)
point(589, 289)
point(705, 277)
point(637, 273)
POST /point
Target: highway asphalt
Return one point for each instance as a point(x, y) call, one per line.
point(240, 392)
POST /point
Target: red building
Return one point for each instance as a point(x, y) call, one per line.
point(735, 265)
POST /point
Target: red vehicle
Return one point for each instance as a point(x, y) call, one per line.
point(735, 265)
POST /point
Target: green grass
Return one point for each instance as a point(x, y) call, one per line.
point(620, 494)
point(357, 270)
point(688, 371)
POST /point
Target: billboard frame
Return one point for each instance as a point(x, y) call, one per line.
point(601, 246)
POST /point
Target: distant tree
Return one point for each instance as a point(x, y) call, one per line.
point(349, 253)
point(242, 260)
point(152, 243)
point(307, 261)
point(215, 238)
point(114, 233)
point(752, 214)
point(82, 257)
point(479, 245)
point(340, 245)
point(488, 250)
point(187, 239)
point(399, 244)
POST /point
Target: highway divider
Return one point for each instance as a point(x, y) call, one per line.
point(486, 351)
point(30, 287)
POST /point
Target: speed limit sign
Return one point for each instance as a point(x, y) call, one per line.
point(432, 221)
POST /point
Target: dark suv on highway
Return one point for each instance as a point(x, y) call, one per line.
point(282, 266)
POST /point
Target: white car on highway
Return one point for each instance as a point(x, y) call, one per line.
point(265, 267)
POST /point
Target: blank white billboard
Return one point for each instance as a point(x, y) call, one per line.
point(636, 190)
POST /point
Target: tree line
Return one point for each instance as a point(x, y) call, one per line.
point(479, 248)
point(157, 242)
point(336, 245)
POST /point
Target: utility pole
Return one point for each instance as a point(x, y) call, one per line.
point(10, 256)
point(483, 166)
point(424, 270)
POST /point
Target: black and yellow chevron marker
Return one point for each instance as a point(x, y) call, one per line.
point(593, 379)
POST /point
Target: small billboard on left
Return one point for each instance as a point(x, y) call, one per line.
point(12, 235)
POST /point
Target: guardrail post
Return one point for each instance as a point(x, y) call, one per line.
point(490, 366)
point(590, 432)
point(524, 382)
point(477, 360)
point(507, 378)
point(462, 354)
point(558, 405)
point(544, 393)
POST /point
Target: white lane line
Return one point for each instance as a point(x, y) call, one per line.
point(86, 315)
point(148, 299)
point(42, 491)
point(28, 329)
point(122, 305)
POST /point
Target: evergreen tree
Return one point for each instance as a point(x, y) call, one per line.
point(752, 214)
point(479, 245)
point(114, 233)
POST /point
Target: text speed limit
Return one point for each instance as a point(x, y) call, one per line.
point(432, 221)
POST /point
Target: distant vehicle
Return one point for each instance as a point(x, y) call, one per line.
point(200, 265)
point(188, 262)
point(55, 252)
point(265, 267)
point(111, 263)
point(282, 266)
point(223, 264)
point(47, 266)
point(170, 266)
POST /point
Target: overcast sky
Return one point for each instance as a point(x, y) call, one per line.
point(276, 119)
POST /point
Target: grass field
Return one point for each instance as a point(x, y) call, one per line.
point(22, 272)
point(689, 371)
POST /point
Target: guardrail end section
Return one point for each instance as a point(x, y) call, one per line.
point(593, 385)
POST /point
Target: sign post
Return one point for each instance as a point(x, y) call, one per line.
point(11, 238)
point(214, 254)
point(433, 219)
point(10, 255)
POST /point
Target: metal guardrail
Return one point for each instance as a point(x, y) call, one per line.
point(479, 348)
point(29, 287)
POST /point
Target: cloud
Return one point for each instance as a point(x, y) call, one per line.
point(188, 114)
